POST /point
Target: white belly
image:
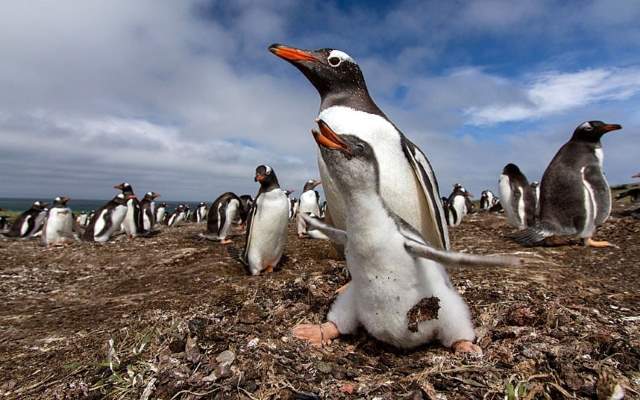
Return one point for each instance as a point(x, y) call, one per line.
point(231, 214)
point(309, 203)
point(129, 225)
point(460, 205)
point(506, 197)
point(590, 207)
point(399, 187)
point(160, 216)
point(268, 230)
point(117, 217)
point(59, 225)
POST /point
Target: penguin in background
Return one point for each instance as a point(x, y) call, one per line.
point(160, 213)
point(458, 203)
point(188, 213)
point(246, 203)
point(201, 213)
point(29, 223)
point(131, 223)
point(487, 199)
point(407, 181)
point(633, 193)
point(178, 216)
point(82, 219)
point(148, 212)
point(107, 220)
point(90, 217)
point(309, 204)
point(225, 210)
point(267, 224)
point(293, 208)
point(517, 197)
point(4, 223)
point(58, 226)
point(535, 187)
point(575, 197)
point(323, 209)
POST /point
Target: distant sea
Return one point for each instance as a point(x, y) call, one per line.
point(20, 205)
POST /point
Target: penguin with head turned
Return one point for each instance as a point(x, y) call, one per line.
point(30, 222)
point(575, 197)
point(225, 210)
point(407, 181)
point(58, 226)
point(393, 268)
point(267, 224)
point(131, 223)
point(517, 197)
point(147, 212)
point(107, 220)
point(309, 204)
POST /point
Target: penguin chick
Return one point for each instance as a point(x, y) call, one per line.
point(58, 226)
point(393, 269)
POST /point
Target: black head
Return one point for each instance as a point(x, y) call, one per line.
point(60, 201)
point(163, 205)
point(535, 184)
point(592, 131)
point(350, 160)
point(267, 178)
point(329, 70)
point(39, 205)
point(201, 204)
point(151, 196)
point(120, 199)
point(511, 170)
point(311, 184)
point(125, 187)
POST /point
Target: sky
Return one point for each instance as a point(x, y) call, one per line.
point(183, 98)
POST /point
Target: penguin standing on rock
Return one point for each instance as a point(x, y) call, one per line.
point(224, 211)
point(30, 222)
point(407, 181)
point(131, 223)
point(575, 197)
point(309, 204)
point(148, 212)
point(267, 224)
point(58, 226)
point(517, 197)
point(400, 293)
point(107, 220)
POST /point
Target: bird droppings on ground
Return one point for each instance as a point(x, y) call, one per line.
point(173, 317)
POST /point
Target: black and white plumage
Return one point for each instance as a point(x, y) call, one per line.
point(407, 181)
point(58, 226)
point(161, 212)
point(107, 220)
point(29, 223)
point(574, 194)
point(267, 224)
point(224, 212)
point(487, 200)
point(178, 216)
point(4, 223)
point(201, 213)
point(458, 205)
point(517, 197)
point(131, 224)
point(309, 204)
point(148, 212)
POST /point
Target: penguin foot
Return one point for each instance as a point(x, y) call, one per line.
point(342, 288)
point(317, 335)
point(226, 241)
point(588, 242)
point(268, 269)
point(465, 346)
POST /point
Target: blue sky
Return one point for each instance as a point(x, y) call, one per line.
point(183, 98)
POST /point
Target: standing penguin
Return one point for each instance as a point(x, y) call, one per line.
point(517, 197)
point(487, 199)
point(535, 187)
point(201, 213)
point(160, 213)
point(246, 204)
point(267, 224)
point(407, 182)
point(58, 226)
point(224, 211)
point(30, 222)
point(309, 204)
point(574, 194)
point(148, 212)
point(82, 219)
point(3, 224)
point(396, 273)
point(458, 203)
point(107, 220)
point(131, 223)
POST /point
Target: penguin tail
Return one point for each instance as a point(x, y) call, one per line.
point(531, 236)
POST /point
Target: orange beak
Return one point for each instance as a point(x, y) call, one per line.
point(327, 138)
point(291, 53)
point(611, 127)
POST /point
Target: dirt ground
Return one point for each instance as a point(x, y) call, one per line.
point(173, 317)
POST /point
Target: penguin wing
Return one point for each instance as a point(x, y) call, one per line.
point(426, 177)
point(334, 234)
point(252, 214)
point(30, 222)
point(454, 258)
point(602, 194)
point(106, 216)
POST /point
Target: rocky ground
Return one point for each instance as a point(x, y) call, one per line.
point(172, 317)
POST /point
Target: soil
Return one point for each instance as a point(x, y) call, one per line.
point(173, 317)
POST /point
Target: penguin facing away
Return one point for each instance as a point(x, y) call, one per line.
point(267, 224)
point(246, 203)
point(148, 212)
point(575, 197)
point(131, 223)
point(309, 204)
point(58, 226)
point(407, 181)
point(107, 220)
point(30, 222)
point(394, 269)
point(517, 197)
point(458, 203)
point(224, 211)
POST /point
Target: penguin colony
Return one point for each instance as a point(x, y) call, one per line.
point(383, 209)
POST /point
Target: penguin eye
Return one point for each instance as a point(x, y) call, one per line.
point(360, 147)
point(334, 61)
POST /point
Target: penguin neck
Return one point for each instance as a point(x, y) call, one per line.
point(366, 207)
point(357, 98)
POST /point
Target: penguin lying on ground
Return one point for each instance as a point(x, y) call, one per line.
point(309, 204)
point(178, 216)
point(131, 224)
point(147, 213)
point(267, 224)
point(29, 223)
point(517, 197)
point(225, 210)
point(399, 293)
point(107, 220)
point(574, 194)
point(58, 226)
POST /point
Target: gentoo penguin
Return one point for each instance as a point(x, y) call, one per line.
point(486, 200)
point(633, 194)
point(535, 187)
point(82, 219)
point(323, 209)
point(107, 220)
point(224, 211)
point(147, 212)
point(497, 206)
point(407, 181)
point(309, 204)
point(188, 213)
point(3, 224)
point(293, 208)
point(131, 223)
point(90, 217)
point(30, 222)
point(201, 213)
point(246, 203)
point(574, 194)
point(58, 226)
point(160, 213)
point(458, 203)
point(267, 224)
point(400, 292)
point(517, 197)
point(178, 215)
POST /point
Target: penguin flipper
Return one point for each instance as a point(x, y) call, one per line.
point(455, 258)
point(334, 234)
point(531, 236)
